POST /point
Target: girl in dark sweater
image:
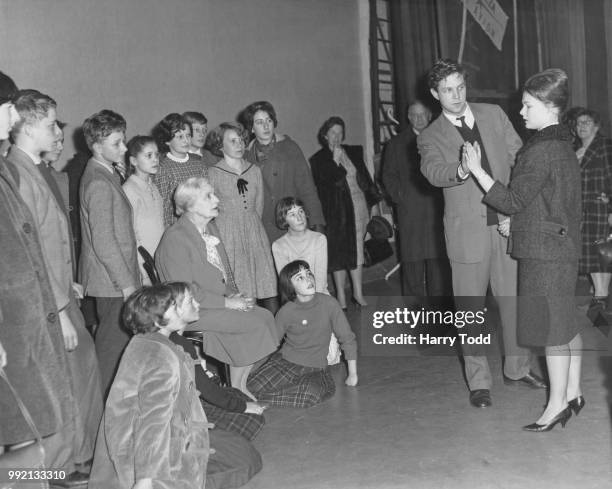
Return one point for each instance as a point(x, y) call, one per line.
point(298, 375)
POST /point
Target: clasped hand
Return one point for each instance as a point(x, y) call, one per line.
point(470, 157)
point(239, 302)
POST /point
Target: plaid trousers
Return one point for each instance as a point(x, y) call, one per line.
point(247, 425)
point(286, 384)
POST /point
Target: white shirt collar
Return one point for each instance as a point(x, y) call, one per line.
point(469, 117)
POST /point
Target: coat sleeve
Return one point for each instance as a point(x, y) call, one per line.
point(392, 156)
point(174, 260)
point(40, 208)
point(526, 184)
point(434, 166)
point(152, 435)
point(99, 200)
point(307, 191)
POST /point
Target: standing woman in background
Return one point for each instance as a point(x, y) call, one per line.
point(544, 201)
point(283, 166)
point(347, 192)
point(595, 156)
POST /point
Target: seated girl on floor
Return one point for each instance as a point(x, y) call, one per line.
point(301, 243)
point(298, 375)
point(154, 432)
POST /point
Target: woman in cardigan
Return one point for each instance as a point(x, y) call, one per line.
point(283, 166)
point(595, 156)
point(236, 331)
point(544, 201)
point(347, 192)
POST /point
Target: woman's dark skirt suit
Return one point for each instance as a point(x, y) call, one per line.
point(544, 200)
point(596, 173)
point(335, 196)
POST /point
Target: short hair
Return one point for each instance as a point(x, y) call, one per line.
point(215, 137)
point(144, 310)
point(187, 192)
point(248, 114)
point(593, 114)
point(32, 106)
point(8, 89)
point(137, 144)
point(287, 290)
point(334, 120)
point(282, 207)
point(442, 69)
point(550, 86)
point(194, 118)
point(165, 129)
point(100, 125)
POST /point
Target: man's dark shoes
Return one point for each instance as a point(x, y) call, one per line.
point(531, 380)
point(480, 398)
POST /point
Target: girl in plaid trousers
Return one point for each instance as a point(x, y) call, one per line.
point(298, 375)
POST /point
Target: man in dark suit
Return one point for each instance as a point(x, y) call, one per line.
point(476, 236)
point(419, 209)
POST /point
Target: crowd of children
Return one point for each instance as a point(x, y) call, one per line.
point(196, 204)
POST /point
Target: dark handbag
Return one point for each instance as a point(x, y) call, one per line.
point(29, 457)
point(377, 248)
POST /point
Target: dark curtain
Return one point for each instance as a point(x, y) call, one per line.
point(415, 43)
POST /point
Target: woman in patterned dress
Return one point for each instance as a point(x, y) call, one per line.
point(239, 186)
point(595, 156)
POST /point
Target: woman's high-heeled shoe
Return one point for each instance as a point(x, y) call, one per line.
point(576, 404)
point(562, 418)
point(357, 303)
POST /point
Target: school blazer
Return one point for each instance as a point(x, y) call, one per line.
point(108, 262)
point(51, 223)
point(465, 214)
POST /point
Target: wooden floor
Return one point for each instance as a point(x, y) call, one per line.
point(409, 425)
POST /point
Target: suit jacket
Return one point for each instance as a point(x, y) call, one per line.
point(419, 205)
point(51, 224)
point(544, 198)
point(29, 327)
point(108, 262)
point(465, 214)
point(181, 255)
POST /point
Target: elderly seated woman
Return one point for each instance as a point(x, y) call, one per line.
point(236, 331)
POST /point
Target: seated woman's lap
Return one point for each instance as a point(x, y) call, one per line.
point(235, 337)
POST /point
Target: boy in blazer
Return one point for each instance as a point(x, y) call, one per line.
point(37, 132)
point(108, 267)
point(476, 236)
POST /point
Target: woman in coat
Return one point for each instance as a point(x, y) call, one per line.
point(283, 167)
point(347, 192)
point(236, 331)
point(544, 201)
point(595, 156)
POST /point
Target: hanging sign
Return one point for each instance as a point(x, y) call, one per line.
point(491, 18)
